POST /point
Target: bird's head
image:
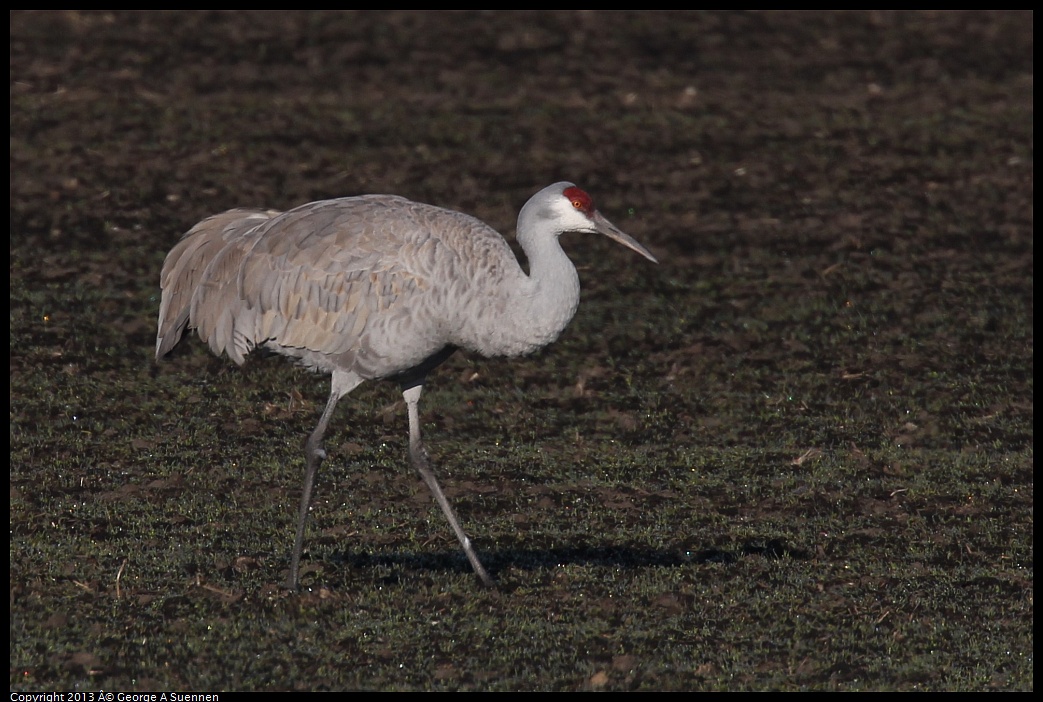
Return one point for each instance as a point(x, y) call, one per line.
point(564, 207)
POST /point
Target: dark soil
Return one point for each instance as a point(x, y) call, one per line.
point(798, 454)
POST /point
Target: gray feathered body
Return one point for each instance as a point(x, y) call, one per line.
point(372, 285)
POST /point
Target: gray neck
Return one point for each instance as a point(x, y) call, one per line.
point(551, 295)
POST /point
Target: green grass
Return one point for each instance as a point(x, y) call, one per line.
point(797, 455)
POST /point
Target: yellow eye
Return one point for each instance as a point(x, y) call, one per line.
point(577, 204)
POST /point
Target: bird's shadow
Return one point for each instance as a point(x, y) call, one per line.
point(620, 557)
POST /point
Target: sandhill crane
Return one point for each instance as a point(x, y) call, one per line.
point(376, 286)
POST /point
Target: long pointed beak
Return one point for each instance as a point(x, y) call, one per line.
point(614, 233)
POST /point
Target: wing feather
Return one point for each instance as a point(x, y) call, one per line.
point(366, 283)
point(185, 264)
point(321, 273)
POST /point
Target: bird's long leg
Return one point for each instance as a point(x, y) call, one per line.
point(418, 455)
point(341, 385)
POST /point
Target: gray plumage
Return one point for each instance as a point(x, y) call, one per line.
point(376, 286)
